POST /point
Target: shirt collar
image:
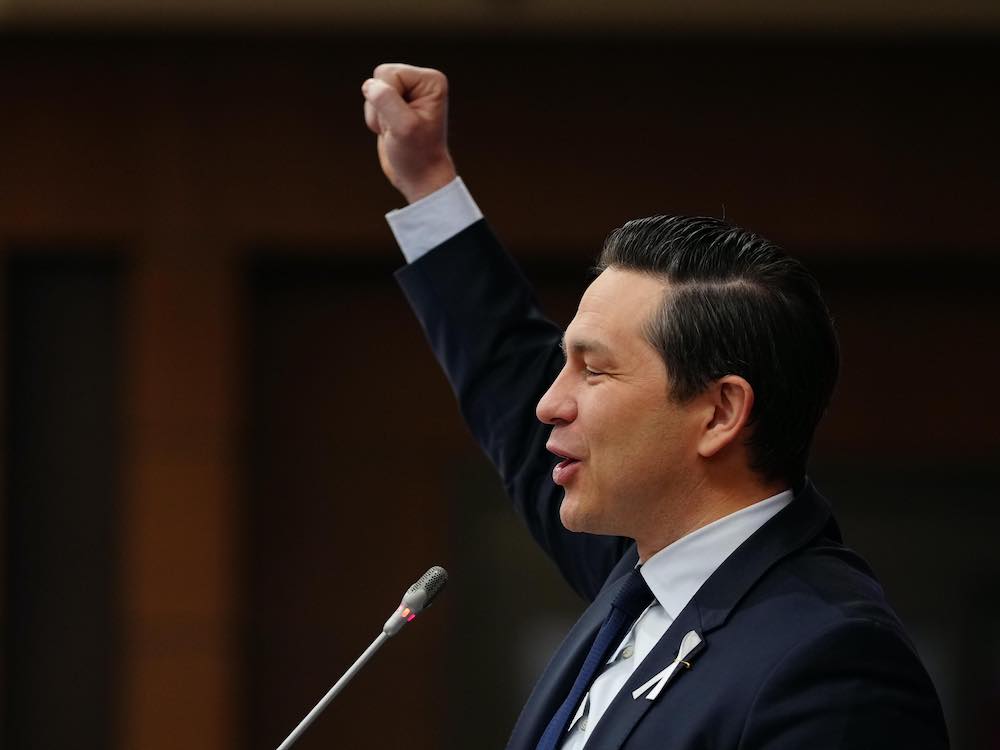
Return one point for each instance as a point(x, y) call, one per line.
point(676, 572)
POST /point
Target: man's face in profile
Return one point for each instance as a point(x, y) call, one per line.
point(625, 446)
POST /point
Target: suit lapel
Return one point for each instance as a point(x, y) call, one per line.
point(557, 679)
point(791, 529)
point(805, 518)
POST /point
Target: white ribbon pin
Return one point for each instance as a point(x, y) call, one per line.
point(658, 682)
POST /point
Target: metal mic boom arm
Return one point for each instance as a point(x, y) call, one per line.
point(416, 599)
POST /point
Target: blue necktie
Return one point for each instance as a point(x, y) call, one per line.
point(632, 598)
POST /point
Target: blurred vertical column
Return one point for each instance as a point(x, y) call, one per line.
point(61, 432)
point(178, 567)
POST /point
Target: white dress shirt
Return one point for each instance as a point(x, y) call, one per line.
point(675, 573)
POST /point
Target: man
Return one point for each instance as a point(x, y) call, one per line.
point(678, 409)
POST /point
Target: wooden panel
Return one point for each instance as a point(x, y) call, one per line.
point(829, 146)
point(344, 509)
point(61, 625)
point(179, 546)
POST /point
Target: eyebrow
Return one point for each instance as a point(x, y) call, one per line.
point(584, 346)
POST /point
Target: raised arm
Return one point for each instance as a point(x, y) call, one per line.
point(497, 349)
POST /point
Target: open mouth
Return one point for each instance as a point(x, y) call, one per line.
point(565, 470)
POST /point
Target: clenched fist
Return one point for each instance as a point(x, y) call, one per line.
point(407, 107)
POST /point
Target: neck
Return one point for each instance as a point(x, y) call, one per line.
point(704, 503)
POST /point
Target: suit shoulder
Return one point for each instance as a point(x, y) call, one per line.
point(831, 584)
point(839, 665)
point(855, 683)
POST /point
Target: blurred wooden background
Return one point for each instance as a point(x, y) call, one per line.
point(227, 450)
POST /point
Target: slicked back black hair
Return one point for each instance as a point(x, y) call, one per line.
point(737, 305)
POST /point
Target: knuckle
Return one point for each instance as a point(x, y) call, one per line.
point(439, 78)
point(380, 94)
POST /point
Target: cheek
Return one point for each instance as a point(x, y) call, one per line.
point(626, 433)
point(652, 440)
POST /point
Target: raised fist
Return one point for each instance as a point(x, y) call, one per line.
point(407, 107)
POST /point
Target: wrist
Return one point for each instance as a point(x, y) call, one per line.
point(430, 181)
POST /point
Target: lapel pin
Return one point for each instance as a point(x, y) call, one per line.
point(659, 681)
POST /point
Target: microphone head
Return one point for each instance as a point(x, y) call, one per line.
point(416, 599)
point(420, 595)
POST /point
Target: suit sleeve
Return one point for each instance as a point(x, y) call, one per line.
point(500, 354)
point(858, 686)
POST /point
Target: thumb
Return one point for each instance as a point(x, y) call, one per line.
point(389, 108)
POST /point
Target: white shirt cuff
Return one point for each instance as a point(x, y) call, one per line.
point(424, 225)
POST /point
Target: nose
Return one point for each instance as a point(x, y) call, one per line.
point(557, 406)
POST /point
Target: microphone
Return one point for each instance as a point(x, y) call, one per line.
point(416, 599)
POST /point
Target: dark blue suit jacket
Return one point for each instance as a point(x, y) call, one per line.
point(800, 649)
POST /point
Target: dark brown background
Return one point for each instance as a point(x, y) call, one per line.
point(227, 449)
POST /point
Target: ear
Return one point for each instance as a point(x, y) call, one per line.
point(730, 402)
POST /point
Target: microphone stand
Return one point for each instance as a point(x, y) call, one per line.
point(416, 599)
point(341, 683)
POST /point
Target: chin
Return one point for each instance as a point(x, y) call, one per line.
point(567, 513)
point(573, 516)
